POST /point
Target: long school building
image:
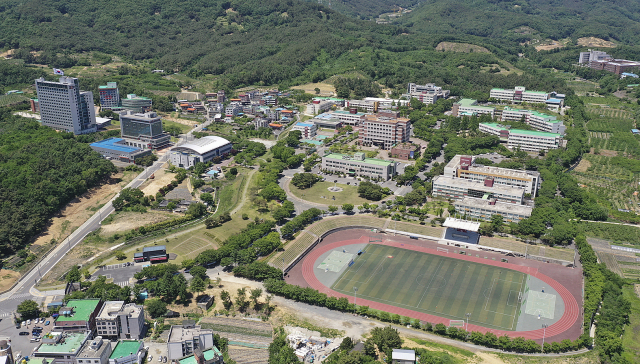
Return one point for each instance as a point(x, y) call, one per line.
point(358, 165)
point(527, 140)
point(537, 120)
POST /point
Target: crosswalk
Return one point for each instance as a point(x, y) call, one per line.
point(4, 314)
point(20, 296)
point(122, 284)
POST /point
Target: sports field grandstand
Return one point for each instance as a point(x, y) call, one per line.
point(416, 229)
point(523, 248)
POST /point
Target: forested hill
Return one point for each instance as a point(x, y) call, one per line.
point(366, 9)
point(256, 40)
point(505, 19)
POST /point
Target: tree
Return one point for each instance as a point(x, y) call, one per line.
point(196, 209)
point(156, 308)
point(496, 222)
point(226, 299)
point(255, 295)
point(207, 197)
point(386, 338)
point(199, 271)
point(28, 309)
point(188, 263)
point(346, 344)
point(120, 255)
point(304, 180)
point(332, 208)
point(317, 90)
point(241, 299)
point(197, 285)
point(73, 275)
point(347, 207)
point(233, 171)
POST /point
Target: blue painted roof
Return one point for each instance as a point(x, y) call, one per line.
point(635, 131)
point(555, 101)
point(304, 124)
point(111, 144)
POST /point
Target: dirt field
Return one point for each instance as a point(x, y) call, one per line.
point(548, 47)
point(595, 42)
point(325, 88)
point(124, 221)
point(161, 178)
point(583, 166)
point(181, 121)
point(604, 152)
point(460, 47)
point(7, 278)
point(80, 209)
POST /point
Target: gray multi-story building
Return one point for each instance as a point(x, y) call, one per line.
point(96, 351)
point(136, 103)
point(64, 107)
point(184, 339)
point(143, 130)
point(359, 165)
point(118, 320)
point(109, 96)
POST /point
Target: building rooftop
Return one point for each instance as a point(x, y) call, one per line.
point(479, 186)
point(401, 354)
point(110, 309)
point(202, 145)
point(522, 132)
point(112, 143)
point(314, 142)
point(180, 334)
point(473, 103)
point(82, 310)
point(71, 344)
point(94, 348)
point(500, 207)
point(455, 162)
point(375, 161)
point(307, 125)
point(207, 354)
point(125, 348)
point(154, 248)
point(453, 223)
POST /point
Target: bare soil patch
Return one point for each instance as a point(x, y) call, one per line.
point(7, 279)
point(583, 166)
point(460, 47)
point(547, 47)
point(181, 121)
point(325, 88)
point(595, 42)
point(161, 178)
point(124, 221)
point(80, 209)
point(608, 153)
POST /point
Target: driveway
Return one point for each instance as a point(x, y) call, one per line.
point(120, 273)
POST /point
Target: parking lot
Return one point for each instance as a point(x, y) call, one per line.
point(22, 343)
point(122, 274)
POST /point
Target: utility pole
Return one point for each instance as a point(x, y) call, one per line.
point(467, 314)
point(544, 333)
point(355, 289)
point(283, 268)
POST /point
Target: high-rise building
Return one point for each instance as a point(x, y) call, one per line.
point(109, 96)
point(143, 130)
point(64, 107)
point(136, 103)
point(384, 131)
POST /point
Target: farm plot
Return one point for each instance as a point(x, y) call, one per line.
point(610, 261)
point(240, 332)
point(613, 185)
point(609, 112)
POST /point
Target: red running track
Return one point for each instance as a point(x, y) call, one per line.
point(571, 308)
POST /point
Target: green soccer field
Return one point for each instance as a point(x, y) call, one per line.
point(440, 286)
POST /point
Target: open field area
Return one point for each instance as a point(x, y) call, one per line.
point(326, 89)
point(582, 88)
point(631, 337)
point(460, 47)
point(436, 285)
point(319, 193)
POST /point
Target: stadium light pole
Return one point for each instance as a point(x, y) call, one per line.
point(355, 302)
point(544, 333)
point(467, 314)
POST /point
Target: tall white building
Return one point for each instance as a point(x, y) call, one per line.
point(64, 107)
point(519, 94)
point(427, 94)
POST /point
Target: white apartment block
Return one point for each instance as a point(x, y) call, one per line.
point(233, 109)
point(358, 165)
point(368, 106)
point(591, 55)
point(384, 131)
point(483, 209)
point(469, 107)
point(427, 94)
point(119, 321)
point(457, 188)
point(320, 105)
point(183, 340)
point(64, 107)
point(519, 94)
point(308, 130)
point(463, 166)
point(527, 140)
point(537, 120)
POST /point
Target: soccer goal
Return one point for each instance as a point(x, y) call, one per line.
point(456, 323)
point(444, 250)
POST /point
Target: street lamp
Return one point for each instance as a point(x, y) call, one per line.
point(467, 314)
point(544, 333)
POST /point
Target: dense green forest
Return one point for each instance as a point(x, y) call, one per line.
point(520, 20)
point(41, 170)
point(366, 9)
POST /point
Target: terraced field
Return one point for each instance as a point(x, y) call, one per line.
point(610, 261)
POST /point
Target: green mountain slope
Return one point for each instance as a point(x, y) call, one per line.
point(613, 19)
point(366, 9)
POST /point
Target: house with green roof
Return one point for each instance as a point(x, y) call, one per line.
point(127, 352)
point(527, 140)
point(359, 165)
point(78, 316)
point(537, 120)
point(468, 107)
point(62, 350)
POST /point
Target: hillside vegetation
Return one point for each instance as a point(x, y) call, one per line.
point(41, 171)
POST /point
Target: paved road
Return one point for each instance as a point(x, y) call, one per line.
point(25, 289)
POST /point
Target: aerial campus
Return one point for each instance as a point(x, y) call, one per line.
point(284, 224)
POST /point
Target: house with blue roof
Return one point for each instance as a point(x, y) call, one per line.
point(308, 129)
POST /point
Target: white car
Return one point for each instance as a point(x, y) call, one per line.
point(29, 322)
point(160, 358)
point(150, 358)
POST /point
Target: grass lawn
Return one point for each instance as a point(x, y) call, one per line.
point(631, 337)
point(184, 128)
point(349, 194)
point(436, 285)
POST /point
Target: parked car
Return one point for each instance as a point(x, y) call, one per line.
point(29, 322)
point(160, 358)
point(150, 358)
point(24, 323)
point(164, 360)
point(23, 333)
point(47, 323)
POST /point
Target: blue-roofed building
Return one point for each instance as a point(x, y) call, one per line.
point(628, 74)
point(308, 129)
point(635, 131)
point(116, 148)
